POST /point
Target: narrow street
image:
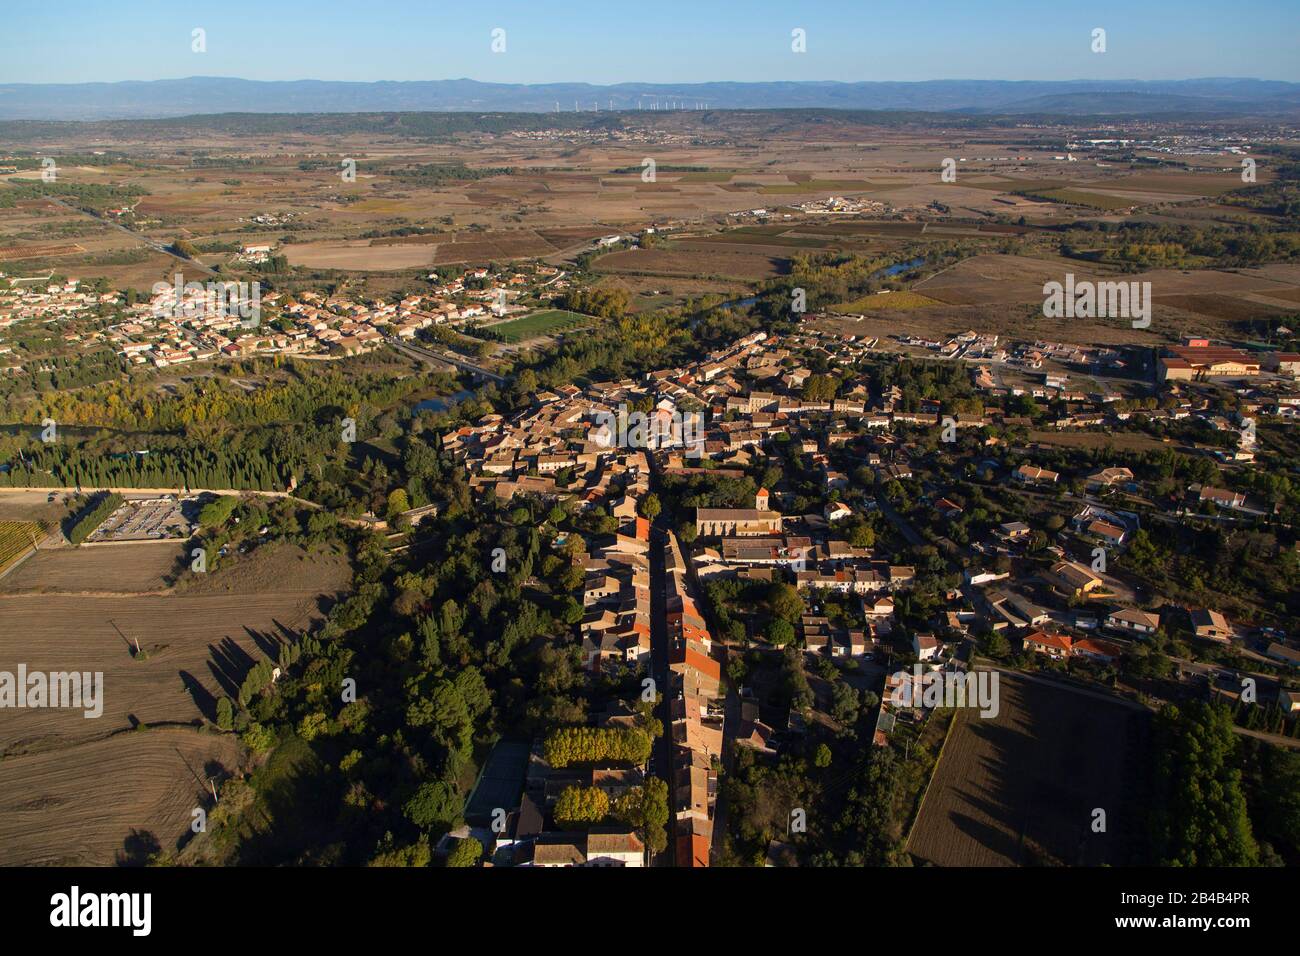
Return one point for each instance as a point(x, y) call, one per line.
point(898, 521)
point(661, 752)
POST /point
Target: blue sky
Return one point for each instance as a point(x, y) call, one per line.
point(657, 41)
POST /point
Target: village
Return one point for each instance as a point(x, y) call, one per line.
point(861, 476)
point(181, 323)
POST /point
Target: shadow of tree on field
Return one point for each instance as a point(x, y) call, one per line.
point(138, 848)
point(230, 664)
point(203, 698)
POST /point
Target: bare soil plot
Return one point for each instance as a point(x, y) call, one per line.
point(572, 235)
point(1286, 295)
point(198, 642)
point(16, 505)
point(81, 805)
point(777, 243)
point(1230, 308)
point(1080, 197)
point(196, 649)
point(483, 247)
point(1120, 441)
point(78, 790)
point(994, 279)
point(1195, 184)
point(134, 568)
point(989, 279)
point(1020, 788)
point(692, 262)
point(357, 254)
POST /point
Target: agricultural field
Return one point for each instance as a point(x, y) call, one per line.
point(818, 186)
point(22, 505)
point(673, 261)
point(1001, 280)
point(17, 539)
point(87, 611)
point(1020, 788)
point(40, 251)
point(1119, 441)
point(529, 198)
point(549, 199)
point(1004, 294)
point(1079, 197)
point(888, 300)
point(539, 324)
point(136, 568)
point(359, 255)
point(433, 249)
point(108, 801)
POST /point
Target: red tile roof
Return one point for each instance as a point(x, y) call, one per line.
point(692, 850)
point(1059, 641)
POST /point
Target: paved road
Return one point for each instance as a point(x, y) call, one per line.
point(730, 726)
point(898, 521)
point(1275, 739)
point(153, 244)
point(661, 752)
point(426, 355)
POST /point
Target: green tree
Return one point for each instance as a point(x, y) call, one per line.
point(822, 756)
point(218, 512)
point(435, 805)
point(397, 503)
point(646, 809)
point(1199, 808)
point(820, 388)
point(784, 601)
point(779, 632)
point(581, 805)
point(225, 714)
point(570, 745)
point(466, 852)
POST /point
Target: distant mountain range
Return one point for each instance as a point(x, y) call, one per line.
point(205, 94)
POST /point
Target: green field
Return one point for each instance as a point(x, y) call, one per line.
point(541, 323)
point(1079, 197)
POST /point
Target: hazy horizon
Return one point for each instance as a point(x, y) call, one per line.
point(893, 40)
point(643, 81)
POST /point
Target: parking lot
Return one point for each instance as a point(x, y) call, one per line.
point(146, 519)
